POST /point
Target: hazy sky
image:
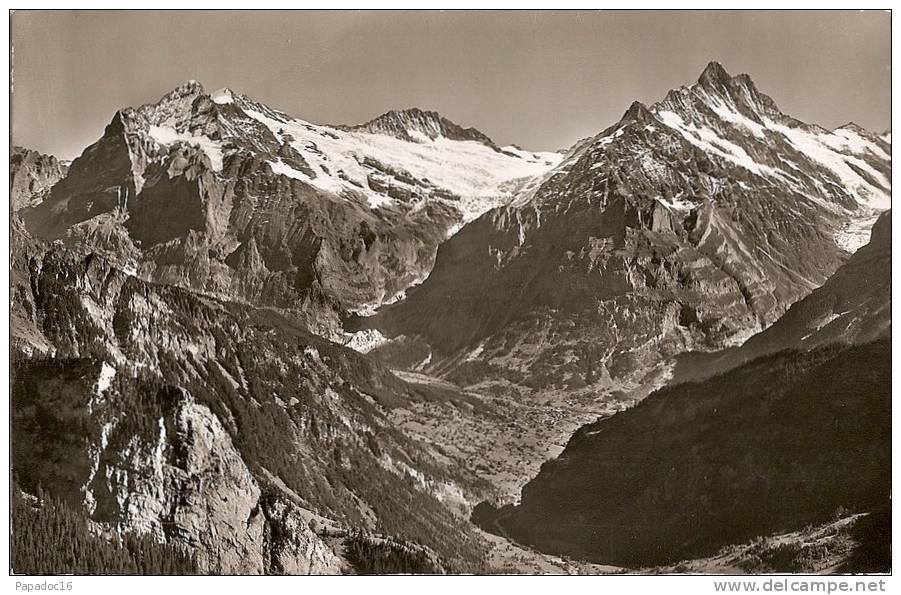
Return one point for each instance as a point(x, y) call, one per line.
point(540, 80)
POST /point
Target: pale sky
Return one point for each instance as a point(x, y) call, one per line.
point(539, 80)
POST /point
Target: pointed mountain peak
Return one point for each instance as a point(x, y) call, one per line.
point(417, 125)
point(714, 75)
point(855, 127)
point(716, 79)
point(717, 89)
point(177, 99)
point(637, 112)
point(118, 122)
point(638, 115)
point(413, 113)
point(172, 110)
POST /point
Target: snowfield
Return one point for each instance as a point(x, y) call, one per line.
point(827, 149)
point(708, 141)
point(481, 176)
point(165, 135)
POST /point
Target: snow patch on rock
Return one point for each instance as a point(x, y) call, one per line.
point(366, 340)
point(708, 141)
point(475, 353)
point(826, 149)
point(222, 96)
point(166, 135)
point(107, 373)
point(856, 233)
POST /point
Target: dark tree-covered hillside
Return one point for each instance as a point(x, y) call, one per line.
point(49, 537)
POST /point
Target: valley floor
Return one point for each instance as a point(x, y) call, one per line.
point(505, 440)
point(500, 435)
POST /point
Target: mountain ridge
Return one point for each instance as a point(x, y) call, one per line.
point(853, 306)
point(341, 220)
point(416, 125)
point(31, 176)
point(213, 425)
point(691, 224)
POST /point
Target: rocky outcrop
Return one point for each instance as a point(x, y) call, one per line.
point(196, 421)
point(189, 484)
point(31, 176)
point(178, 478)
point(293, 547)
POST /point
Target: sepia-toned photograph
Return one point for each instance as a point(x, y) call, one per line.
point(425, 292)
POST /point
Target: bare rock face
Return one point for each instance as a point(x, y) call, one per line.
point(292, 545)
point(189, 485)
point(852, 307)
point(198, 421)
point(183, 481)
point(31, 175)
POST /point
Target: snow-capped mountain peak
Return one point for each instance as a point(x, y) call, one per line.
point(732, 98)
point(401, 158)
point(698, 219)
point(222, 96)
point(726, 123)
point(260, 195)
point(416, 125)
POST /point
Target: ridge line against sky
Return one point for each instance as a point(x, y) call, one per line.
point(541, 80)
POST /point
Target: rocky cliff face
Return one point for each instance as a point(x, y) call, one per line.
point(853, 306)
point(687, 225)
point(31, 175)
point(224, 195)
point(177, 477)
point(212, 425)
point(771, 436)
